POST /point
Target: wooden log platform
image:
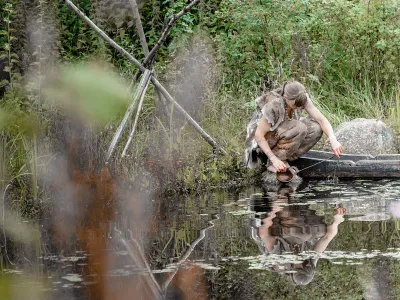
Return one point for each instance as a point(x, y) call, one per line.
point(348, 166)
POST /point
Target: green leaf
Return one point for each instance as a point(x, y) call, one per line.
point(94, 93)
point(4, 82)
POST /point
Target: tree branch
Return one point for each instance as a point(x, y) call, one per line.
point(166, 29)
point(189, 251)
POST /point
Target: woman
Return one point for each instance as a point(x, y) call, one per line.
point(279, 130)
point(293, 229)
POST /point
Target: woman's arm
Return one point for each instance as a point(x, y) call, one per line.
point(326, 127)
point(262, 129)
point(263, 231)
point(331, 231)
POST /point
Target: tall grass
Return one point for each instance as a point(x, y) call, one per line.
point(357, 100)
point(394, 115)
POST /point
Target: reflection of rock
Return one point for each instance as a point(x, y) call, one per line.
point(365, 136)
point(367, 207)
point(372, 217)
point(395, 209)
point(368, 210)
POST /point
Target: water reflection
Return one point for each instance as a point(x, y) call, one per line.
point(126, 246)
point(290, 228)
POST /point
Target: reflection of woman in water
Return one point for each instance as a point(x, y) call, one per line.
point(295, 228)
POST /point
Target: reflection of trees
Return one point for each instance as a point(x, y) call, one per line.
point(136, 253)
point(189, 251)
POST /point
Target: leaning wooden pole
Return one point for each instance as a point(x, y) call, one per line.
point(164, 33)
point(191, 121)
point(139, 109)
point(166, 29)
point(156, 83)
point(139, 28)
point(139, 92)
point(189, 251)
point(105, 37)
point(141, 262)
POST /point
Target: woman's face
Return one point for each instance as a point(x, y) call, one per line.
point(291, 104)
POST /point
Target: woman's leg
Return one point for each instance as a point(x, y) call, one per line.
point(287, 139)
point(314, 134)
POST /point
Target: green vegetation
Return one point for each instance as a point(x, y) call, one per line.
point(346, 53)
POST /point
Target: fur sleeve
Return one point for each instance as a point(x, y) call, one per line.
point(270, 112)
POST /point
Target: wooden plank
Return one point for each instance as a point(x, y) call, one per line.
point(348, 169)
point(353, 157)
point(326, 155)
point(388, 157)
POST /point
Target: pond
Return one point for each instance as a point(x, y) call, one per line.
point(322, 239)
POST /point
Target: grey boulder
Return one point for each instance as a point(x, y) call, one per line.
point(364, 136)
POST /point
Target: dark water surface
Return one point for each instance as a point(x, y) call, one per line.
point(252, 244)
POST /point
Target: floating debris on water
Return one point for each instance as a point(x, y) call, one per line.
point(73, 277)
point(241, 212)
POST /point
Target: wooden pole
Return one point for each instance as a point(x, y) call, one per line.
point(142, 263)
point(156, 83)
point(136, 118)
point(189, 251)
point(139, 27)
point(166, 29)
point(145, 47)
point(139, 91)
point(191, 121)
point(105, 37)
point(153, 53)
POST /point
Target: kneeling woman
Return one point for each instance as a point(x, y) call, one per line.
point(279, 130)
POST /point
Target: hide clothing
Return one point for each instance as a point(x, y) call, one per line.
point(288, 138)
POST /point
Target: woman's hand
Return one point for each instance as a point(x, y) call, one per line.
point(336, 147)
point(279, 165)
point(338, 217)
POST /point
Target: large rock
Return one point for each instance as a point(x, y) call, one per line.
point(364, 136)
